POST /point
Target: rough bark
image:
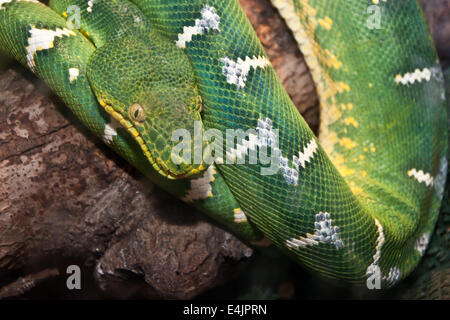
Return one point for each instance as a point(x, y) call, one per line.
point(22, 285)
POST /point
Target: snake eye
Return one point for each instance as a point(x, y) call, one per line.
point(137, 113)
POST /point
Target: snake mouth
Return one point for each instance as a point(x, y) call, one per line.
point(131, 128)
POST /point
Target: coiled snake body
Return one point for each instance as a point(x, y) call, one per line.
point(358, 204)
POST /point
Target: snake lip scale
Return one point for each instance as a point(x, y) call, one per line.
point(133, 131)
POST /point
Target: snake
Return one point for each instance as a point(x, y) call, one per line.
point(358, 203)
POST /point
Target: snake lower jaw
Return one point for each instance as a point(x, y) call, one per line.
point(158, 166)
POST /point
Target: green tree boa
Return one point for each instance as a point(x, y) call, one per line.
point(359, 203)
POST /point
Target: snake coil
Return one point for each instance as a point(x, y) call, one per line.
point(359, 203)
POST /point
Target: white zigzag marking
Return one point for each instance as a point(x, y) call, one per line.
point(417, 75)
point(324, 232)
point(426, 74)
point(291, 174)
point(42, 39)
point(239, 216)
point(422, 243)
point(237, 72)
point(422, 177)
point(210, 20)
point(90, 5)
point(307, 155)
point(73, 74)
point(201, 188)
point(267, 137)
point(110, 130)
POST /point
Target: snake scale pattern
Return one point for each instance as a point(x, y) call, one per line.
point(359, 202)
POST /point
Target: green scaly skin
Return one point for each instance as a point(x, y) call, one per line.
point(361, 202)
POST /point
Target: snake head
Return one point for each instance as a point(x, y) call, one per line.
point(148, 85)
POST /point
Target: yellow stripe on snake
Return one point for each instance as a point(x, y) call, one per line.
point(359, 203)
